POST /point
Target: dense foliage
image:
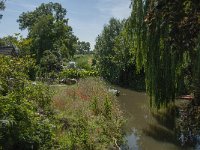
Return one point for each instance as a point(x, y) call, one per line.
point(159, 43)
point(25, 120)
point(85, 61)
point(104, 48)
point(77, 74)
point(115, 57)
point(165, 39)
point(28, 120)
point(83, 47)
point(51, 38)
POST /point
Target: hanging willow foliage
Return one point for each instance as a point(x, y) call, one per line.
point(164, 32)
point(197, 74)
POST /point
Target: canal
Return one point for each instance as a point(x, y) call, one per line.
point(143, 131)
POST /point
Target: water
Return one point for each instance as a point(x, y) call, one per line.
point(143, 131)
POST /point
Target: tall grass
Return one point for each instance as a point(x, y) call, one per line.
point(90, 116)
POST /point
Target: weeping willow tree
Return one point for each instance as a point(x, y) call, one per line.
point(165, 34)
point(197, 74)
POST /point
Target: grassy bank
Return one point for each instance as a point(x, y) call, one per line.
point(88, 115)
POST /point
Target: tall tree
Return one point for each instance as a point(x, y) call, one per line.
point(104, 49)
point(125, 60)
point(165, 37)
point(42, 35)
point(49, 30)
point(115, 57)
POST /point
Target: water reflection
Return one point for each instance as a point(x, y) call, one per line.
point(131, 141)
point(144, 130)
point(160, 133)
point(167, 118)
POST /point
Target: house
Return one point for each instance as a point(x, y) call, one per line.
point(9, 50)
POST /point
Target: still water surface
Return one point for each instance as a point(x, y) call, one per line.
point(140, 121)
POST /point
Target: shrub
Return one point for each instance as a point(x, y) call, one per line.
point(74, 73)
point(84, 61)
point(25, 119)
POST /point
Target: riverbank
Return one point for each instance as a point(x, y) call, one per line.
point(89, 116)
point(188, 125)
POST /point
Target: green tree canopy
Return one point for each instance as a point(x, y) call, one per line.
point(27, 20)
point(104, 48)
point(83, 47)
point(115, 57)
point(49, 30)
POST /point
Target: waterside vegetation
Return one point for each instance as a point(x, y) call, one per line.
point(156, 49)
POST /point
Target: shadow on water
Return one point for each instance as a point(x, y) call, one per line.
point(177, 125)
point(167, 117)
point(160, 133)
point(164, 130)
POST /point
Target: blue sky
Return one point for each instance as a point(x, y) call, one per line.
point(87, 17)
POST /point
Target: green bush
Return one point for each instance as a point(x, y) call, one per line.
point(25, 107)
point(85, 118)
point(74, 73)
point(83, 64)
point(84, 61)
